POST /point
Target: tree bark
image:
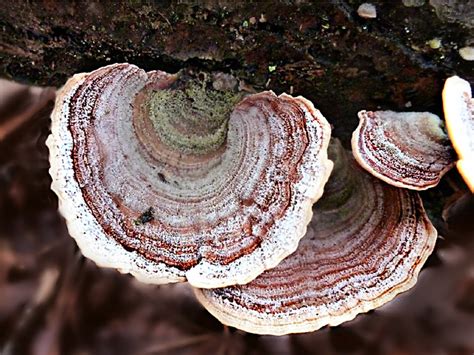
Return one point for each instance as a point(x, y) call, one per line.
point(322, 50)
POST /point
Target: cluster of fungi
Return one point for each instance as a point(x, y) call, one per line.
point(278, 228)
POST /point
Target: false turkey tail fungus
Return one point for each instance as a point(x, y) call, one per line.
point(366, 243)
point(458, 106)
point(171, 180)
point(404, 149)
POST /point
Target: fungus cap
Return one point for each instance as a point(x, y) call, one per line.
point(404, 149)
point(366, 243)
point(367, 10)
point(458, 106)
point(170, 180)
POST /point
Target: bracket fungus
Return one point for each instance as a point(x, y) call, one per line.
point(166, 178)
point(404, 149)
point(366, 243)
point(458, 106)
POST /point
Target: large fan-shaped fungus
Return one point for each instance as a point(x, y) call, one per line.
point(405, 149)
point(365, 244)
point(169, 179)
point(458, 106)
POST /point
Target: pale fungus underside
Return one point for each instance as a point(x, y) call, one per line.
point(458, 106)
point(166, 178)
point(405, 149)
point(366, 243)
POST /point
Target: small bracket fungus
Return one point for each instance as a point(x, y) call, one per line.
point(405, 149)
point(367, 10)
point(365, 244)
point(458, 108)
point(467, 53)
point(169, 179)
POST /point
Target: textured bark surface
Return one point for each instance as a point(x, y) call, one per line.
point(322, 50)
